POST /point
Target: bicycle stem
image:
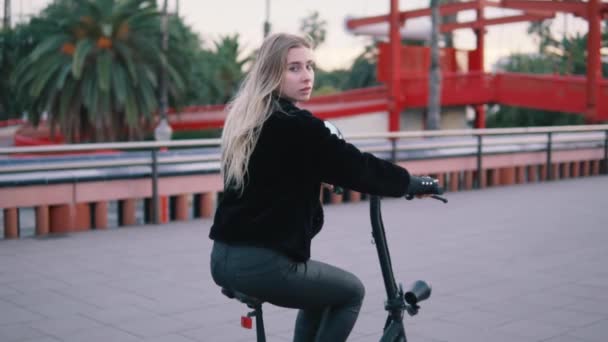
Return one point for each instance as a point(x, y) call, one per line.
point(382, 248)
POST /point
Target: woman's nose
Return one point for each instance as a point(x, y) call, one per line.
point(307, 75)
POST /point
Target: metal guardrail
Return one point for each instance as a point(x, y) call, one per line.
point(475, 141)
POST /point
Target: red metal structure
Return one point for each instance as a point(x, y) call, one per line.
point(476, 88)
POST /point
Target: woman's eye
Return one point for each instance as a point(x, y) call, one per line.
point(294, 68)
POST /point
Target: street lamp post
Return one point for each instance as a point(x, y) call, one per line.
point(7, 15)
point(267, 21)
point(163, 130)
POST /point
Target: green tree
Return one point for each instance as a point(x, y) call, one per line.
point(15, 45)
point(328, 82)
point(361, 74)
point(315, 28)
point(363, 71)
point(188, 61)
point(565, 56)
point(228, 67)
point(508, 116)
point(568, 55)
point(185, 47)
point(95, 70)
point(218, 72)
point(7, 104)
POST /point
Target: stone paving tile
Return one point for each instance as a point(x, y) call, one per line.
point(207, 317)
point(528, 328)
point(104, 296)
point(43, 339)
point(18, 332)
point(596, 332)
point(11, 313)
point(281, 322)
point(8, 291)
point(577, 290)
point(220, 333)
point(513, 309)
point(14, 270)
point(61, 308)
point(153, 326)
point(376, 337)
point(64, 325)
point(169, 338)
point(452, 332)
point(50, 303)
point(570, 318)
point(168, 301)
point(34, 285)
point(118, 313)
point(596, 306)
point(102, 334)
point(548, 298)
point(565, 338)
point(476, 318)
point(372, 323)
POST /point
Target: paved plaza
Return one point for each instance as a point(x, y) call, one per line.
point(517, 263)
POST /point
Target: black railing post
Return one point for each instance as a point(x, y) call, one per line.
point(606, 152)
point(549, 147)
point(479, 155)
point(155, 210)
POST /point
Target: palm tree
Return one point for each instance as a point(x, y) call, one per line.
point(95, 73)
point(225, 68)
point(16, 43)
point(315, 28)
point(230, 67)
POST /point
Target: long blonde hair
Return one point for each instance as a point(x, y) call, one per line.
point(251, 106)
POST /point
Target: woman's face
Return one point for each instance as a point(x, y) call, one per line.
point(299, 75)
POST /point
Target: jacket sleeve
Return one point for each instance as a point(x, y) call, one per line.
point(341, 163)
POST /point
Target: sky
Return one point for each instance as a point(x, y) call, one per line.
point(215, 18)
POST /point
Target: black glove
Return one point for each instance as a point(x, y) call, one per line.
point(423, 186)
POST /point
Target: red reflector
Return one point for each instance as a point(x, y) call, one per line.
point(246, 322)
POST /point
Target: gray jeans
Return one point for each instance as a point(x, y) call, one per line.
point(328, 297)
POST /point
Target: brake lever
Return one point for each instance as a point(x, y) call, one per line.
point(437, 197)
point(442, 199)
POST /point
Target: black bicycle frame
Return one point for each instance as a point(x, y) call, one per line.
point(395, 305)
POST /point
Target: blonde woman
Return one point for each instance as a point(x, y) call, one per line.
point(274, 158)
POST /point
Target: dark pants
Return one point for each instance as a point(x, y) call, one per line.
point(328, 297)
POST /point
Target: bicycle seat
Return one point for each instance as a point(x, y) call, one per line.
point(251, 302)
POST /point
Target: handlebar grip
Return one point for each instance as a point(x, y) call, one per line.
point(424, 186)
